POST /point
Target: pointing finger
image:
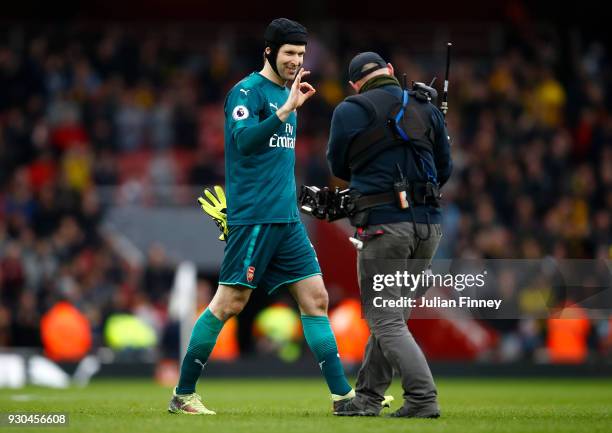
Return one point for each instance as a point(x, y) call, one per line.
point(298, 77)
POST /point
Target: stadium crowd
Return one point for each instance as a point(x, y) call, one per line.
point(529, 117)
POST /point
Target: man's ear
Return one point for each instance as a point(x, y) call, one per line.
point(354, 86)
point(390, 68)
point(268, 50)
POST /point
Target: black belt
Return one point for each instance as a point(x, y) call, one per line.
point(368, 201)
point(420, 193)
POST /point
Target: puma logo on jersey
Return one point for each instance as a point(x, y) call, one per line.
point(246, 92)
point(274, 106)
point(197, 361)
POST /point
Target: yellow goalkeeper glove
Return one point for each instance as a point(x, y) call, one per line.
point(216, 208)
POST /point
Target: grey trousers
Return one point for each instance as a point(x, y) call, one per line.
point(391, 346)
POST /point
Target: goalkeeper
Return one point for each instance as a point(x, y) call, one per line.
point(267, 245)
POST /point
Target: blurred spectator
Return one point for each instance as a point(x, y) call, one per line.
point(13, 275)
point(130, 122)
point(205, 171)
point(158, 276)
point(26, 322)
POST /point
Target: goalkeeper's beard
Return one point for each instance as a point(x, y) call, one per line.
point(287, 72)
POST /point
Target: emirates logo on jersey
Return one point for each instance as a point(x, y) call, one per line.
point(250, 273)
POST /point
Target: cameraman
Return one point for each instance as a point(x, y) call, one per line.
point(395, 163)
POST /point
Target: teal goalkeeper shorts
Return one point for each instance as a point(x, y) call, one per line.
point(268, 256)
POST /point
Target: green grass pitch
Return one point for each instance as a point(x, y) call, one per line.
point(302, 406)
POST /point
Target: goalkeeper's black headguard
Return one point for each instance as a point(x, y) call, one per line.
point(283, 31)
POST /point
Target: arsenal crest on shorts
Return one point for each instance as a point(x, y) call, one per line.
point(250, 273)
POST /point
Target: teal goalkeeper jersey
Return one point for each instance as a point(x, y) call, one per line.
point(259, 154)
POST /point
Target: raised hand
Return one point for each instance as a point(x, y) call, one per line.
point(300, 92)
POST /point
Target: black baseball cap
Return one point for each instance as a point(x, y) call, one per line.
point(357, 69)
point(285, 31)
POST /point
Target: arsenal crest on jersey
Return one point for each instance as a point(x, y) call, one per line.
point(250, 273)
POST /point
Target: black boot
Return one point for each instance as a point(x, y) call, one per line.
point(411, 412)
point(349, 408)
